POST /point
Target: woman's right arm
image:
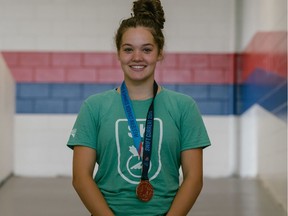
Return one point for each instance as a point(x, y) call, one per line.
point(84, 159)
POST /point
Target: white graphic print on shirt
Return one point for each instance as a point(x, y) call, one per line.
point(128, 158)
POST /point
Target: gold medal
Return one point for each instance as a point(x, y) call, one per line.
point(144, 191)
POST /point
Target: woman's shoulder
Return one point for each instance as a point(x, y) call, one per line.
point(101, 103)
point(177, 97)
point(102, 97)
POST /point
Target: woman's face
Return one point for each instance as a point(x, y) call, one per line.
point(138, 55)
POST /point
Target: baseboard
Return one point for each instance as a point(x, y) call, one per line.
point(5, 179)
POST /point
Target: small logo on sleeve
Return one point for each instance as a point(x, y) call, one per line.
point(73, 132)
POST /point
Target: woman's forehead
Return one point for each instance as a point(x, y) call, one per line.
point(138, 36)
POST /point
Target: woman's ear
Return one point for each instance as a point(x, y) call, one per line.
point(118, 55)
point(161, 55)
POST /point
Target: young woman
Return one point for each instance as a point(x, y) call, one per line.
point(139, 134)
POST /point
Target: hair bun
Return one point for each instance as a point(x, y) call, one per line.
point(149, 9)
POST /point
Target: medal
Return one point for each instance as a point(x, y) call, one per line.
point(144, 191)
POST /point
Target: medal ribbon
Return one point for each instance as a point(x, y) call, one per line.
point(148, 137)
point(128, 108)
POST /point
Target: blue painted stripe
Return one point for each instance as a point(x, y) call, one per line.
point(54, 98)
point(67, 98)
point(266, 89)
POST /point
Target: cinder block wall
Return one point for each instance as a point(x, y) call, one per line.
point(264, 82)
point(7, 109)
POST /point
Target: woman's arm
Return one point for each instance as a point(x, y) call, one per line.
point(84, 159)
point(192, 183)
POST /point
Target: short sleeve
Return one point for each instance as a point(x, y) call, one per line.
point(193, 130)
point(84, 132)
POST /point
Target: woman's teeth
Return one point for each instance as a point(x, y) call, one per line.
point(137, 67)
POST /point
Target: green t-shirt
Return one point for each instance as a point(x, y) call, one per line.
point(102, 125)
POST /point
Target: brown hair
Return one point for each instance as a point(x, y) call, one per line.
point(149, 14)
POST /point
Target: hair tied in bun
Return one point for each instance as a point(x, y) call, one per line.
point(149, 9)
point(148, 14)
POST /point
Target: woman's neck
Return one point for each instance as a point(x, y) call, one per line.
point(142, 91)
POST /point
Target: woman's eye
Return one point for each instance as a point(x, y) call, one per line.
point(128, 50)
point(147, 50)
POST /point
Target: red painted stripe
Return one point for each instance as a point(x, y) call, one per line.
point(94, 67)
point(267, 51)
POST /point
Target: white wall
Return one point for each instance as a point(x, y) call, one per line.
point(272, 159)
point(7, 107)
point(264, 151)
point(89, 25)
point(221, 158)
point(40, 146)
point(259, 16)
point(248, 139)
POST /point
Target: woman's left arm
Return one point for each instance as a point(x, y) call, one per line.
point(192, 167)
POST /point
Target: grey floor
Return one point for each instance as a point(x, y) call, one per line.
point(56, 197)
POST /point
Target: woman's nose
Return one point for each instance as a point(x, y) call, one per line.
point(137, 56)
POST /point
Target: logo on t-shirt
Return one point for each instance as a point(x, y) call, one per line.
point(129, 162)
point(73, 132)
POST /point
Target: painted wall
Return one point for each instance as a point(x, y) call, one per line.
point(7, 109)
point(263, 81)
point(53, 83)
point(59, 56)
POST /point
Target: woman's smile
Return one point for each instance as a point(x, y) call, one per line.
point(137, 67)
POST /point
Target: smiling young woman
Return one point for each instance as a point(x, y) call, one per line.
point(138, 55)
point(139, 134)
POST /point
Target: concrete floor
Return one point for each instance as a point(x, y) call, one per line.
point(56, 197)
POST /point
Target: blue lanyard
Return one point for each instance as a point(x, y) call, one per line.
point(128, 108)
point(148, 137)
